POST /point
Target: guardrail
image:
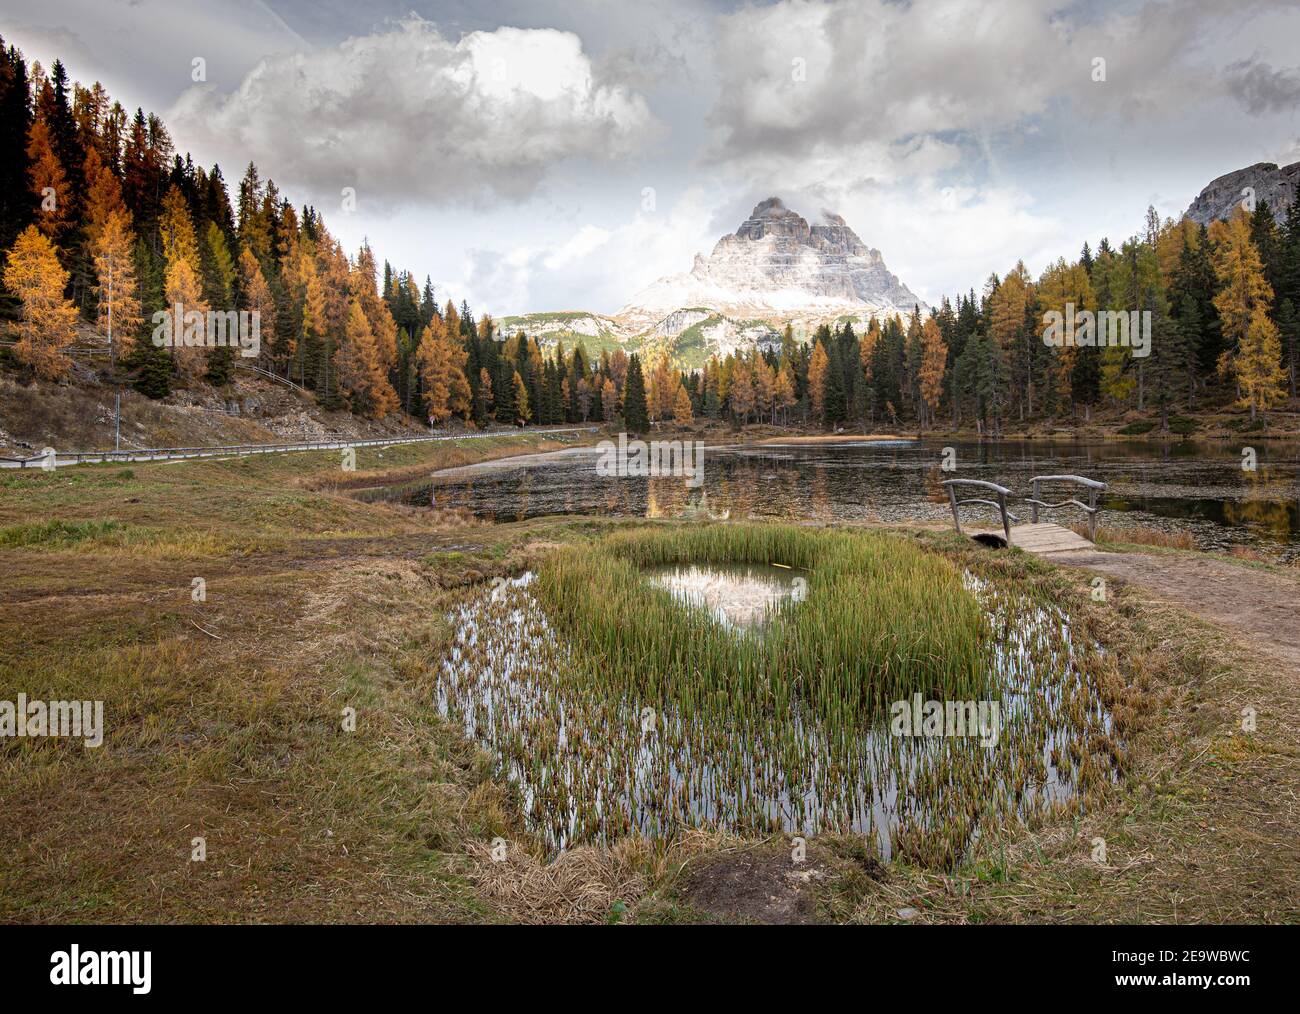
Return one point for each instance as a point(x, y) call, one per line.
point(268, 375)
point(1001, 502)
point(178, 453)
point(1090, 508)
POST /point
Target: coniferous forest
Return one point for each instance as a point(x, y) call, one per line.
point(103, 218)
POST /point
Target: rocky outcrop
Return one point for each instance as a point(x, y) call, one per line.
point(1222, 197)
point(778, 267)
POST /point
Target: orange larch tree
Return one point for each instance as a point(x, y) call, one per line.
point(47, 321)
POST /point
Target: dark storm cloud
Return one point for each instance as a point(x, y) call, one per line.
point(1261, 88)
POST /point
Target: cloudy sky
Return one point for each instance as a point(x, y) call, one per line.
point(561, 154)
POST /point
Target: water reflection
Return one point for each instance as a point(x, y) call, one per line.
point(742, 597)
point(590, 767)
point(1197, 488)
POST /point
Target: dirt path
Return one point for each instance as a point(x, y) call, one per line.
point(1257, 605)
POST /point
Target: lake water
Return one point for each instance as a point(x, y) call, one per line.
point(741, 597)
point(1199, 488)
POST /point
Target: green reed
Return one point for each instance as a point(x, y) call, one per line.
point(881, 618)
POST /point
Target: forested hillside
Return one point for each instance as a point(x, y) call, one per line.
point(103, 220)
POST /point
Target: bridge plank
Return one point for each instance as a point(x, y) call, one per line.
point(1041, 539)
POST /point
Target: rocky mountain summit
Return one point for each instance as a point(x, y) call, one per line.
point(778, 267)
point(1270, 183)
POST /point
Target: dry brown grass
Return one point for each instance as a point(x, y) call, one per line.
point(337, 604)
point(1138, 535)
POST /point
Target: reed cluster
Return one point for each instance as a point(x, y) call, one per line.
point(618, 710)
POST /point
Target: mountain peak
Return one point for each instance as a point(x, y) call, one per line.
point(772, 217)
point(777, 267)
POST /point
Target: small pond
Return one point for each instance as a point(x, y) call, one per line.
point(741, 597)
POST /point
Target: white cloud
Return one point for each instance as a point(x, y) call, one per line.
point(594, 268)
point(405, 115)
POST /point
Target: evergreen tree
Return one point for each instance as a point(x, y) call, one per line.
point(635, 414)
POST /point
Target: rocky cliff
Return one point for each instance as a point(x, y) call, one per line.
point(1276, 185)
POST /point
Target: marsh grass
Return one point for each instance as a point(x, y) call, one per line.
point(618, 710)
point(880, 619)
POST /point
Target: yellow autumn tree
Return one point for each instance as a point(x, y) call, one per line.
point(682, 413)
point(1008, 306)
point(740, 391)
point(119, 307)
point(441, 360)
point(315, 318)
point(608, 401)
point(103, 194)
point(431, 361)
point(522, 412)
point(49, 183)
point(817, 368)
point(1060, 285)
point(365, 287)
point(460, 397)
point(661, 388)
point(46, 321)
point(783, 392)
point(1254, 355)
point(764, 379)
point(181, 279)
point(934, 360)
point(256, 295)
point(361, 376)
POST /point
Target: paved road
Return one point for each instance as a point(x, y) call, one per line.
point(65, 458)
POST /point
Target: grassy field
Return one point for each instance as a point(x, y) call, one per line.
point(225, 722)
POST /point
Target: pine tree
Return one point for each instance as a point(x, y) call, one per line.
point(217, 274)
point(16, 208)
point(483, 398)
point(635, 414)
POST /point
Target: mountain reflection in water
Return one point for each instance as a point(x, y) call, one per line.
point(1196, 488)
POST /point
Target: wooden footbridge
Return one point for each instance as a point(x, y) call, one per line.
point(1037, 537)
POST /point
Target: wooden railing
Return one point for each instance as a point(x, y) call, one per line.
point(1001, 503)
point(1090, 508)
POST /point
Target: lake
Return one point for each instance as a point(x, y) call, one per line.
point(1198, 488)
